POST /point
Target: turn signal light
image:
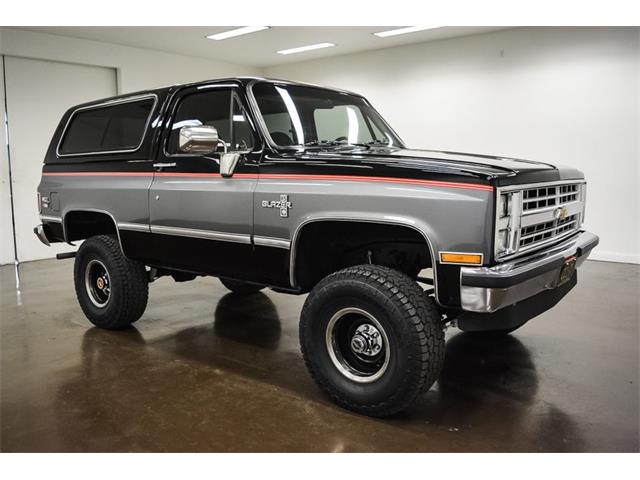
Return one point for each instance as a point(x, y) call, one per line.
point(461, 258)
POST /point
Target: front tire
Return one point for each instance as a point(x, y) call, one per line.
point(112, 290)
point(371, 339)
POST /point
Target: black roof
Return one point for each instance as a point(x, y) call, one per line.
point(243, 81)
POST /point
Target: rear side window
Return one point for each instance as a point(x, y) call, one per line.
point(107, 128)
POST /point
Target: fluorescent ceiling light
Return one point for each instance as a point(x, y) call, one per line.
point(315, 46)
point(235, 33)
point(402, 31)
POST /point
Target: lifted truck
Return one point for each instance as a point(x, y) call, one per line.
point(303, 189)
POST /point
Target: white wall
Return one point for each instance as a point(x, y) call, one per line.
point(137, 69)
point(30, 84)
point(564, 95)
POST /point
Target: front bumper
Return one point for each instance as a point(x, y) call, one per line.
point(39, 231)
point(488, 289)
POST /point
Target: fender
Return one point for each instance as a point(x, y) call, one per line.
point(409, 222)
point(116, 225)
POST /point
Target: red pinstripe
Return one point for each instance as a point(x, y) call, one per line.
point(282, 176)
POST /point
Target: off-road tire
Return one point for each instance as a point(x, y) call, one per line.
point(243, 288)
point(129, 284)
point(412, 325)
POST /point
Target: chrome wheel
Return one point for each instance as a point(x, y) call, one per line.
point(97, 283)
point(357, 344)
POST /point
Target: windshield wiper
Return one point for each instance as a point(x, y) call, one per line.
point(322, 143)
point(378, 143)
point(344, 144)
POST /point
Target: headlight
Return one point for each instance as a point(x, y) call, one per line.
point(505, 230)
point(502, 239)
point(504, 205)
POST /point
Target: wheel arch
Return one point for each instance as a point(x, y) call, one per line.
point(102, 222)
point(402, 222)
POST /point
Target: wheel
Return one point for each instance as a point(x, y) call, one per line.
point(112, 290)
point(236, 286)
point(371, 339)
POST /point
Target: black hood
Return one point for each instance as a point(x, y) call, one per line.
point(500, 170)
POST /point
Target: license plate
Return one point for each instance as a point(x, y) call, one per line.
point(566, 272)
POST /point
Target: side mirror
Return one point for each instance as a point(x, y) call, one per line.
point(228, 163)
point(198, 139)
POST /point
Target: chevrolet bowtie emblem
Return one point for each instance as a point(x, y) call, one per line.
point(283, 204)
point(561, 213)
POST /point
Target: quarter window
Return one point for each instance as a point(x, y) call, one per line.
point(107, 128)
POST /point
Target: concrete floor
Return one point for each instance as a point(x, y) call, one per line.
point(205, 370)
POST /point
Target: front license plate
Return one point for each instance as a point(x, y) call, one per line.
point(566, 272)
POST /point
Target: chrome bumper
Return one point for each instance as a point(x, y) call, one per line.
point(488, 289)
point(39, 231)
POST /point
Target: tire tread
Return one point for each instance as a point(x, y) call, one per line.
point(133, 275)
point(420, 314)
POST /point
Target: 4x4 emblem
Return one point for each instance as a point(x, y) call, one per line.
point(283, 204)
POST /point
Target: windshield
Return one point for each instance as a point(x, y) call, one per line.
point(309, 116)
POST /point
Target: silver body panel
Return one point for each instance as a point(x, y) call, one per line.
point(211, 203)
point(125, 198)
point(426, 209)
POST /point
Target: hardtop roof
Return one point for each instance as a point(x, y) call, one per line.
point(242, 80)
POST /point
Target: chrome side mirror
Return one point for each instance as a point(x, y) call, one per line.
point(228, 163)
point(198, 139)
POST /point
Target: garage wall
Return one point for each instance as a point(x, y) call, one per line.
point(138, 68)
point(57, 71)
point(564, 95)
point(30, 84)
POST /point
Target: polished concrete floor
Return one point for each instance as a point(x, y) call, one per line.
point(205, 370)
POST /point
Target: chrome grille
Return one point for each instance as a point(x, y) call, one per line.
point(531, 216)
point(544, 231)
point(550, 196)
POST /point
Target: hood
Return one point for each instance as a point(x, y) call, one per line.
point(501, 170)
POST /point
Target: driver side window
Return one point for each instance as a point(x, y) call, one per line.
point(214, 108)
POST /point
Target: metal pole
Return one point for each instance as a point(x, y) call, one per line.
point(6, 132)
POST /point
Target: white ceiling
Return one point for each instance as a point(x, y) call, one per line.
point(257, 49)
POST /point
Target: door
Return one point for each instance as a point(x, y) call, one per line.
point(38, 94)
point(202, 222)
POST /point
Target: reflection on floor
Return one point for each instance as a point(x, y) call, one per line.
point(206, 370)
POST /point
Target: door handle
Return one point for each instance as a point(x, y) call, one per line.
point(164, 165)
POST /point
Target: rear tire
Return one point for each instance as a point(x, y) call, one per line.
point(371, 339)
point(243, 288)
point(112, 290)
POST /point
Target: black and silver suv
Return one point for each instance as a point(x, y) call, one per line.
point(303, 189)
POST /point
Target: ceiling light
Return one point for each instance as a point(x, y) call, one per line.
point(402, 31)
point(315, 46)
point(235, 33)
